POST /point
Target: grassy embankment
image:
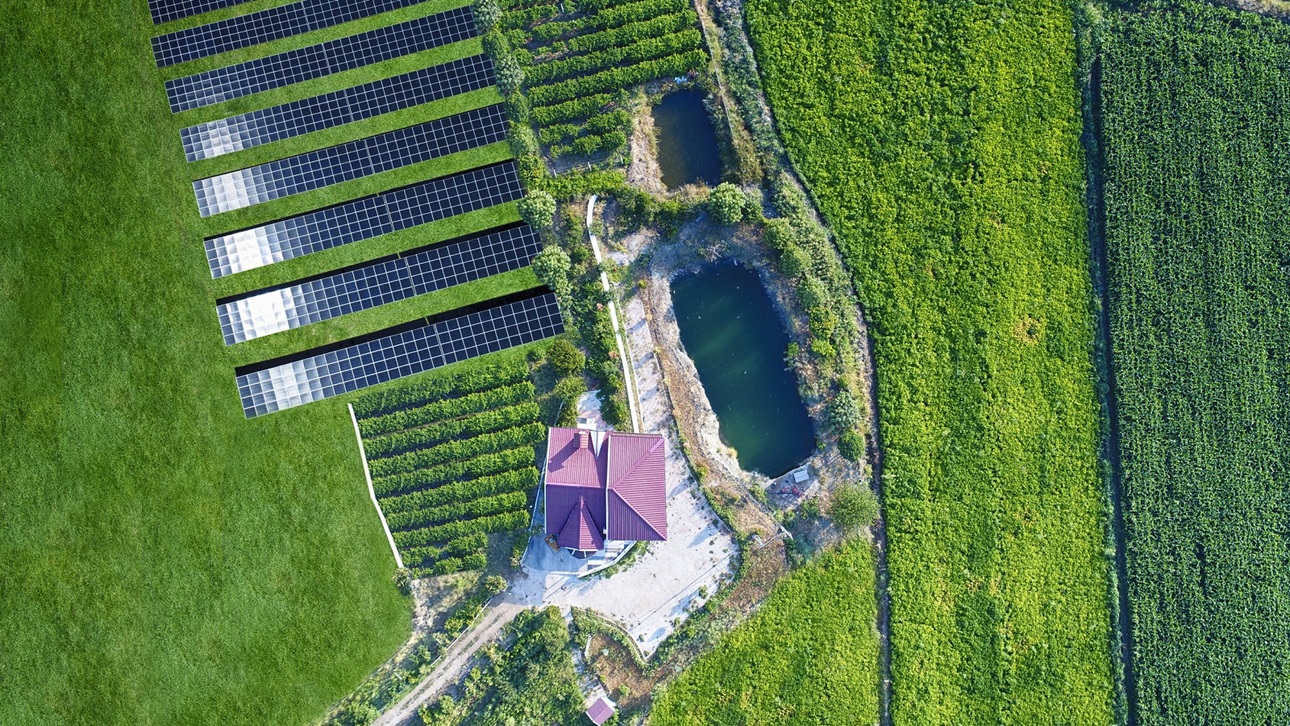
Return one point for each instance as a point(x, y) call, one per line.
point(942, 144)
point(1196, 130)
point(165, 560)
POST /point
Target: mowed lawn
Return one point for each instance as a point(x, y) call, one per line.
point(942, 142)
point(162, 559)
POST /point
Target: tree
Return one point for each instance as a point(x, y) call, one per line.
point(487, 13)
point(853, 506)
point(565, 357)
point(538, 209)
point(727, 203)
point(844, 411)
point(779, 234)
point(551, 266)
point(851, 445)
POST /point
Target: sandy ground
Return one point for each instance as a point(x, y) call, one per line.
point(664, 583)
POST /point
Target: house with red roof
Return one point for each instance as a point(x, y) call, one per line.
point(604, 486)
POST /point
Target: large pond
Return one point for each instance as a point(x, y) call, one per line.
point(737, 342)
point(687, 143)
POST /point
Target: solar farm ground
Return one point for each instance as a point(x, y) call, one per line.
point(164, 559)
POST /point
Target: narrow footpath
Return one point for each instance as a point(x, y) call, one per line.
point(613, 319)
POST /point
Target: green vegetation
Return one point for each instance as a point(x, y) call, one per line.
point(809, 655)
point(1195, 120)
point(452, 459)
point(530, 682)
point(942, 144)
point(852, 506)
point(164, 559)
point(571, 71)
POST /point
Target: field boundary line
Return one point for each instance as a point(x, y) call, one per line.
point(371, 490)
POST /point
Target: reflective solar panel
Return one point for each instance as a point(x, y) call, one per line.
point(376, 283)
point(282, 21)
point(403, 351)
point(363, 218)
point(164, 11)
point(351, 160)
point(275, 71)
point(248, 130)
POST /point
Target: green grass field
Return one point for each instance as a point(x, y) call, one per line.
point(942, 144)
point(808, 656)
point(1196, 128)
point(163, 559)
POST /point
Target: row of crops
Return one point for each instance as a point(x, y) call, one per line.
point(1196, 129)
point(452, 462)
point(575, 60)
point(942, 142)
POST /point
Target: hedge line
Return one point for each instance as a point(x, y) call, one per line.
point(480, 466)
point(460, 511)
point(642, 50)
point(448, 409)
point(577, 108)
point(421, 556)
point(436, 389)
point(632, 32)
point(458, 450)
point(618, 78)
point(510, 481)
point(421, 438)
point(452, 530)
point(512, 19)
point(476, 561)
point(608, 19)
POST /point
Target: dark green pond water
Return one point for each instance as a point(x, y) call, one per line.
point(687, 143)
point(737, 343)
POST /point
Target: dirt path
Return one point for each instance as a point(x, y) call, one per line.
point(454, 663)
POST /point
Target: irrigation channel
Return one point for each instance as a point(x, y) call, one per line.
point(731, 330)
point(687, 143)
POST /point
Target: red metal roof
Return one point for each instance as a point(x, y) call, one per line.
point(580, 532)
point(611, 484)
point(637, 487)
point(600, 711)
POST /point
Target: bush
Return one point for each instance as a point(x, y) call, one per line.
point(779, 234)
point(853, 506)
point(851, 446)
point(844, 411)
point(794, 261)
point(538, 209)
point(552, 266)
point(727, 203)
point(565, 357)
point(615, 412)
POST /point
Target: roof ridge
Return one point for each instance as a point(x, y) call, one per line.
point(635, 511)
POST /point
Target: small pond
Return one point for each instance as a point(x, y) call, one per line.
point(737, 342)
point(687, 143)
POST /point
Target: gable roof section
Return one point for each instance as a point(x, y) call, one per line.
point(637, 482)
point(573, 459)
point(580, 532)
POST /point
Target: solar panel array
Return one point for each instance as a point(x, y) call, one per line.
point(377, 283)
point(351, 160)
point(273, 23)
point(401, 353)
point(363, 218)
point(243, 79)
point(248, 130)
point(164, 11)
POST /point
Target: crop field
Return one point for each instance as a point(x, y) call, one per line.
point(578, 64)
point(452, 461)
point(942, 143)
point(1195, 124)
point(808, 655)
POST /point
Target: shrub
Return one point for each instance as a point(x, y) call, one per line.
point(565, 357)
point(538, 209)
point(779, 234)
point(844, 411)
point(853, 506)
point(794, 261)
point(727, 203)
point(551, 266)
point(614, 411)
point(851, 445)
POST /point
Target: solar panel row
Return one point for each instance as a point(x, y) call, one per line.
point(351, 160)
point(273, 23)
point(164, 11)
point(248, 130)
point(363, 218)
point(404, 351)
point(376, 283)
point(275, 71)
